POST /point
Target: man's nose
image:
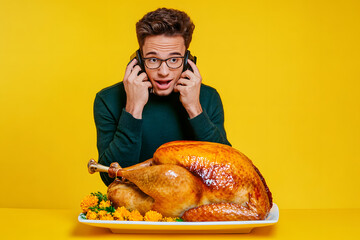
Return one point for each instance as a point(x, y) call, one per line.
point(163, 69)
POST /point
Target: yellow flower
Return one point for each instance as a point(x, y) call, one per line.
point(168, 219)
point(102, 213)
point(121, 214)
point(91, 215)
point(152, 216)
point(104, 204)
point(106, 217)
point(135, 216)
point(88, 201)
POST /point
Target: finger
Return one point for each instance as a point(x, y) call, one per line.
point(188, 74)
point(134, 73)
point(129, 68)
point(194, 67)
point(132, 62)
point(183, 82)
point(179, 88)
point(142, 77)
point(148, 84)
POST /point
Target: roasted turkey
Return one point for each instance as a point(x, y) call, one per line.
point(198, 181)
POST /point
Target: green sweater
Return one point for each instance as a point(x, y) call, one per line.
point(124, 139)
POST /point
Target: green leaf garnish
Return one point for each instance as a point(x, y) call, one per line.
point(100, 196)
point(110, 209)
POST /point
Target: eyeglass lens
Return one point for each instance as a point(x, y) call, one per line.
point(175, 62)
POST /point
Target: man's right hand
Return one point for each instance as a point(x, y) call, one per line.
point(136, 88)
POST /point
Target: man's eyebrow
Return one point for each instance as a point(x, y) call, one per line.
point(149, 53)
point(175, 53)
point(172, 54)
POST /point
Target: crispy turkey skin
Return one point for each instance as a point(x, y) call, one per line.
point(198, 181)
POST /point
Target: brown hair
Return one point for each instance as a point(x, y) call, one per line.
point(165, 21)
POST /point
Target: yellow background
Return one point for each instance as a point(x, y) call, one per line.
point(287, 71)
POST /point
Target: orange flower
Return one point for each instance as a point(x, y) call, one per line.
point(88, 201)
point(107, 216)
point(104, 204)
point(91, 215)
point(102, 213)
point(135, 216)
point(152, 216)
point(168, 219)
point(121, 214)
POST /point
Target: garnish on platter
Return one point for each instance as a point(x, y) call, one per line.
point(96, 206)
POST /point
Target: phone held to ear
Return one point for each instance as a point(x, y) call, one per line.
point(187, 56)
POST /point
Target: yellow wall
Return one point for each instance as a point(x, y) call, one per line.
point(287, 71)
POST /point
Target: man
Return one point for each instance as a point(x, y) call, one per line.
point(164, 103)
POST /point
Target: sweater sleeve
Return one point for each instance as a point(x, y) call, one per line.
point(209, 125)
point(117, 141)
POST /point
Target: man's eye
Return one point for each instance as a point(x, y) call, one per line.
point(153, 60)
point(173, 60)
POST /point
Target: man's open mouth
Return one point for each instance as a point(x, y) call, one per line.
point(163, 84)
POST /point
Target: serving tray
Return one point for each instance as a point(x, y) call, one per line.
point(185, 227)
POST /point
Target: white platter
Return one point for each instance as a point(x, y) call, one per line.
point(185, 227)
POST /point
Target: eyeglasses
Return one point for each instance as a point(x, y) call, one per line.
point(173, 62)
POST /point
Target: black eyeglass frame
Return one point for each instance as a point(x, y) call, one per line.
point(164, 60)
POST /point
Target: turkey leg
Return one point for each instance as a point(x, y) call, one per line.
point(94, 166)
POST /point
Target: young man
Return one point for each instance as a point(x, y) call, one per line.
point(164, 103)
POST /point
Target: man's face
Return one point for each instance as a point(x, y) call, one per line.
point(163, 78)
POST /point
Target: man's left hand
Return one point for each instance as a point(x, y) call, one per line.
point(189, 88)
